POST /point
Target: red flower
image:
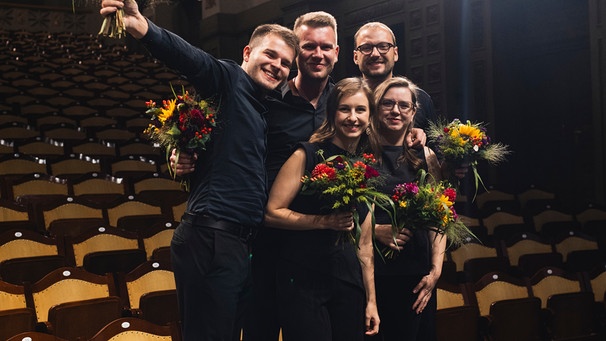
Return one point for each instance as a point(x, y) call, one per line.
point(323, 170)
point(451, 193)
point(370, 172)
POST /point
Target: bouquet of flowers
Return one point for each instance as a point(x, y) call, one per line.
point(183, 123)
point(461, 143)
point(427, 205)
point(113, 25)
point(346, 182)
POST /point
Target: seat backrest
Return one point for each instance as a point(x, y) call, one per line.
point(148, 277)
point(162, 238)
point(534, 194)
point(575, 243)
point(597, 281)
point(130, 328)
point(451, 295)
point(25, 243)
point(70, 210)
point(469, 251)
point(526, 245)
point(44, 185)
point(98, 185)
point(131, 208)
point(68, 284)
point(493, 195)
point(590, 214)
point(101, 239)
point(551, 281)
point(23, 165)
point(501, 218)
point(14, 216)
point(74, 166)
point(12, 296)
point(495, 287)
point(550, 216)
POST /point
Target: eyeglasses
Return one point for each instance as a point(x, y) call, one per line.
point(368, 48)
point(403, 105)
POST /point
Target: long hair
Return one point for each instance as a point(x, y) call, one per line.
point(345, 88)
point(408, 155)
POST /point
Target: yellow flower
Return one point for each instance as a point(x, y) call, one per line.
point(403, 204)
point(167, 110)
point(445, 201)
point(470, 131)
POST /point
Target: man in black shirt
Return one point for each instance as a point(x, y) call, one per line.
point(375, 54)
point(209, 250)
point(296, 109)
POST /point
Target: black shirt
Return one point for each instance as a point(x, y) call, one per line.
point(290, 120)
point(230, 179)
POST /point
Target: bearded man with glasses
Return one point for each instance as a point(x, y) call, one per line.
point(375, 54)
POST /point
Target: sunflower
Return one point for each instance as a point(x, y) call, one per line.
point(167, 110)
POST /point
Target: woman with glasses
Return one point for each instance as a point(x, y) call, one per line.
point(404, 283)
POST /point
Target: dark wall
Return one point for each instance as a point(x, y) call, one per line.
point(542, 85)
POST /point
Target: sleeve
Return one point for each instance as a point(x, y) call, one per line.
point(203, 70)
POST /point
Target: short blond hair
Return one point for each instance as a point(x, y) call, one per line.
point(315, 20)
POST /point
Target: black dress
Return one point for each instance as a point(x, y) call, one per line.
point(396, 277)
point(320, 290)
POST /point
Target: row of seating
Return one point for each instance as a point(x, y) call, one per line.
point(551, 305)
point(74, 304)
point(61, 215)
point(95, 199)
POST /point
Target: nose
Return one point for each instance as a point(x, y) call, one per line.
point(352, 115)
point(375, 52)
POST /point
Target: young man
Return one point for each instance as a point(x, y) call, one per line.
point(209, 250)
point(375, 54)
point(296, 109)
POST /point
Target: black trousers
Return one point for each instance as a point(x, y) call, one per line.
point(262, 323)
point(319, 307)
point(212, 274)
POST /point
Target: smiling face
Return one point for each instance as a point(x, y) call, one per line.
point(319, 51)
point(396, 110)
point(375, 65)
point(351, 120)
point(268, 61)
